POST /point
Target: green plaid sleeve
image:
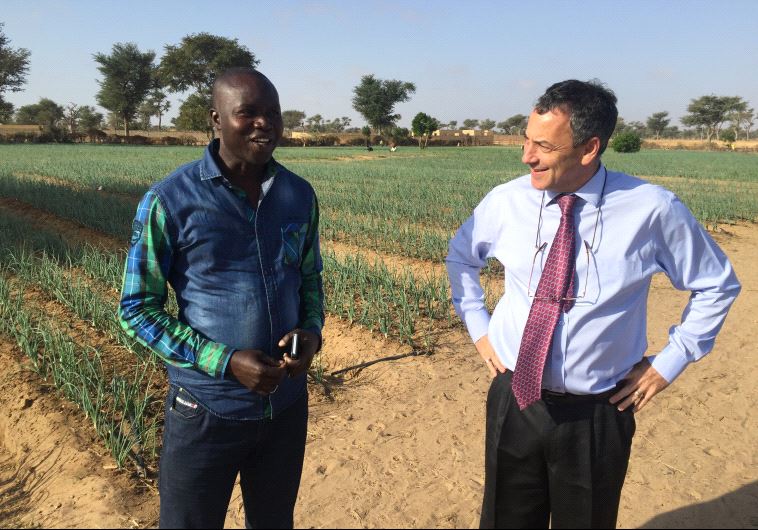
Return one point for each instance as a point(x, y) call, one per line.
point(142, 311)
point(311, 290)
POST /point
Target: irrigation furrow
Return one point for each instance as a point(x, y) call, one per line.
point(69, 230)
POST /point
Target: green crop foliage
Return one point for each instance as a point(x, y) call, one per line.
point(408, 204)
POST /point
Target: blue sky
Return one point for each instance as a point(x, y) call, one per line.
point(468, 58)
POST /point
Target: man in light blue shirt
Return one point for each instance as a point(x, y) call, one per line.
point(563, 458)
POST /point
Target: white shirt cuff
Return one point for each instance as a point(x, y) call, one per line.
point(670, 363)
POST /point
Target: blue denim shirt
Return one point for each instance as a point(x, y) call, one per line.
point(243, 278)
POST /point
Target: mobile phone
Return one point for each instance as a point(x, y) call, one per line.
point(294, 347)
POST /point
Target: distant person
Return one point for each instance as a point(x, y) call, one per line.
point(236, 235)
point(566, 343)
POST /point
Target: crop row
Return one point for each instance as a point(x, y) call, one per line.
point(435, 188)
point(119, 405)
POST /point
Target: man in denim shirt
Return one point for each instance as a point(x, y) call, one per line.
point(236, 236)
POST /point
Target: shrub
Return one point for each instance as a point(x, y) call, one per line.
point(627, 142)
point(356, 142)
point(728, 136)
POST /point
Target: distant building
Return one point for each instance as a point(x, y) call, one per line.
point(466, 136)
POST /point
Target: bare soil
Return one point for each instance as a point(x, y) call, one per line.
point(400, 443)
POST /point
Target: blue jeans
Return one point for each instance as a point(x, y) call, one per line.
point(202, 454)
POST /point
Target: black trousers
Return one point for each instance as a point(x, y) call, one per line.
point(561, 461)
point(202, 454)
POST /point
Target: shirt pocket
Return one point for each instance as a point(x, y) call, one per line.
point(293, 242)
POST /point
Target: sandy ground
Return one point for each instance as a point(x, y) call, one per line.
point(400, 443)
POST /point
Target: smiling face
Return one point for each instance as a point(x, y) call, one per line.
point(248, 120)
point(556, 165)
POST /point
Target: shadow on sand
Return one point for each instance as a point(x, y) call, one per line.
point(738, 509)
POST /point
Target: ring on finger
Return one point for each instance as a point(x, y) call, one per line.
point(638, 395)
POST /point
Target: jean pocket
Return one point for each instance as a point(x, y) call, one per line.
point(185, 406)
point(293, 241)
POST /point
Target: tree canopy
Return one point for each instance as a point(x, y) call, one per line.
point(657, 123)
point(6, 111)
point(127, 78)
point(375, 100)
point(710, 112)
point(487, 125)
point(46, 113)
point(199, 59)
point(193, 114)
point(156, 104)
point(516, 124)
point(470, 123)
point(423, 126)
point(14, 65)
point(293, 119)
point(89, 119)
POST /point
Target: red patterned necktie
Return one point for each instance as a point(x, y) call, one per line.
point(556, 283)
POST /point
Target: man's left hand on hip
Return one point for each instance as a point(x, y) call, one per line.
point(640, 385)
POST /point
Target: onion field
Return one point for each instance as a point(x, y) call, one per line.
point(386, 218)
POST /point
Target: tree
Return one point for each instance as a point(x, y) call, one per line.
point(516, 124)
point(193, 115)
point(293, 119)
point(423, 126)
point(144, 113)
point(114, 121)
point(741, 118)
point(315, 124)
point(366, 131)
point(337, 125)
point(14, 65)
point(657, 123)
point(47, 114)
point(199, 59)
point(396, 135)
point(375, 100)
point(487, 125)
point(748, 123)
point(156, 104)
point(452, 125)
point(710, 113)
point(470, 124)
point(671, 132)
point(81, 118)
point(6, 111)
point(128, 76)
point(89, 119)
point(729, 136)
point(71, 117)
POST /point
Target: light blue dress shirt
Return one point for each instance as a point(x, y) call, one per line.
point(642, 229)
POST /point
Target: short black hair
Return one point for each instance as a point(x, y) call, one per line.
point(225, 78)
point(591, 107)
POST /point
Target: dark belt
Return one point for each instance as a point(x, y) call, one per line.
point(557, 397)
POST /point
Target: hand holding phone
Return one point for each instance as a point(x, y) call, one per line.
point(294, 347)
